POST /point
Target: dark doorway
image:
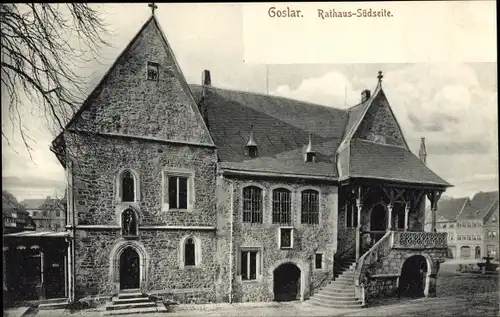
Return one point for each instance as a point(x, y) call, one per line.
point(378, 223)
point(129, 269)
point(54, 273)
point(478, 252)
point(413, 275)
point(286, 282)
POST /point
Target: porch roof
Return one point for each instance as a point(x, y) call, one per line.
point(38, 234)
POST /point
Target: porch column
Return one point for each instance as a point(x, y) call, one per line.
point(359, 206)
point(434, 198)
point(389, 225)
point(42, 282)
point(407, 212)
point(433, 224)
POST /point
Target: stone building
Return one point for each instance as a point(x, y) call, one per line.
point(201, 194)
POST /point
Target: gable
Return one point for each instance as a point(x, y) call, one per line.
point(127, 103)
point(379, 124)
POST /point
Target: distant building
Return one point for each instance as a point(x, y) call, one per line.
point(14, 219)
point(48, 213)
point(471, 224)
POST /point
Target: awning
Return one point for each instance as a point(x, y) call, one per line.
point(38, 234)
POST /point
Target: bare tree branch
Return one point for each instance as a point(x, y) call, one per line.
point(42, 47)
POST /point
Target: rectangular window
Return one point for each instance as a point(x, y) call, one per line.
point(286, 238)
point(249, 265)
point(178, 192)
point(310, 207)
point(58, 213)
point(318, 261)
point(153, 71)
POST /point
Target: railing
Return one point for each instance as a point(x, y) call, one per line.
point(419, 240)
point(376, 252)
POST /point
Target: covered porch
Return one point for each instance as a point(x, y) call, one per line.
point(369, 210)
point(35, 266)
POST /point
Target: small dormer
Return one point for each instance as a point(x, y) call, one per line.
point(252, 149)
point(310, 155)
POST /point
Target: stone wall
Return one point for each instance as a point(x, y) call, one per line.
point(99, 161)
point(308, 239)
point(96, 255)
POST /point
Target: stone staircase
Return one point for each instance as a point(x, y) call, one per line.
point(56, 303)
point(132, 302)
point(339, 293)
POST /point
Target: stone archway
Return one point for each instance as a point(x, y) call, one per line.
point(303, 266)
point(413, 281)
point(128, 256)
point(286, 282)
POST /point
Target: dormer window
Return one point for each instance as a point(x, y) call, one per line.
point(252, 145)
point(153, 71)
point(310, 153)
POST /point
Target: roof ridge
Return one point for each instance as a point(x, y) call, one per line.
point(272, 96)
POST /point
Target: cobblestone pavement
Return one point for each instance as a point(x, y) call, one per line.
point(457, 295)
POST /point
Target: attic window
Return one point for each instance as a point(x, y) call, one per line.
point(252, 151)
point(153, 71)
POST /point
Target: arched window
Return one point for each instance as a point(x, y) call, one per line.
point(189, 253)
point(129, 223)
point(252, 204)
point(282, 206)
point(310, 207)
point(128, 186)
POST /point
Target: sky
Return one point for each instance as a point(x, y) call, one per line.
point(452, 105)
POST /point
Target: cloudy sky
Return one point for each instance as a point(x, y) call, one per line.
point(454, 106)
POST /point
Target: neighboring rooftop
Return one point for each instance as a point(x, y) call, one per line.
point(479, 206)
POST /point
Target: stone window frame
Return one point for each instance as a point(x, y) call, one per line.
point(320, 196)
point(292, 204)
point(241, 203)
point(119, 189)
point(291, 238)
point(260, 263)
point(197, 252)
point(191, 192)
point(323, 262)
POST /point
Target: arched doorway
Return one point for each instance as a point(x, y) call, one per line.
point(478, 252)
point(413, 277)
point(465, 252)
point(286, 278)
point(129, 269)
point(378, 222)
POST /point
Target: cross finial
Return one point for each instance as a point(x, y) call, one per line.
point(380, 76)
point(153, 7)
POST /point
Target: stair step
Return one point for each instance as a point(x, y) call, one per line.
point(335, 291)
point(337, 302)
point(340, 297)
point(130, 306)
point(134, 311)
point(343, 278)
point(52, 306)
point(335, 305)
point(130, 300)
point(130, 290)
point(130, 295)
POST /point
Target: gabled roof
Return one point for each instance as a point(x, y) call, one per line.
point(479, 206)
point(176, 71)
point(449, 208)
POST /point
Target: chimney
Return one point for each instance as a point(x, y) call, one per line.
point(206, 83)
point(365, 95)
point(422, 153)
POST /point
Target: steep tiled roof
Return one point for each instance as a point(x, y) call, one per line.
point(449, 208)
point(281, 127)
point(373, 160)
point(479, 206)
point(33, 203)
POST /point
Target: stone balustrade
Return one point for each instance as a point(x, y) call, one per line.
point(419, 240)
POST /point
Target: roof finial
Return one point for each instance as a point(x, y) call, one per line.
point(310, 153)
point(153, 7)
point(380, 76)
